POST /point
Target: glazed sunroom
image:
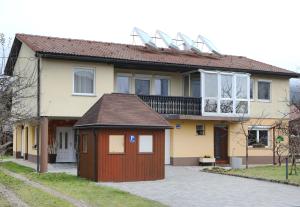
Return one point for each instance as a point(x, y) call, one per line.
point(205, 93)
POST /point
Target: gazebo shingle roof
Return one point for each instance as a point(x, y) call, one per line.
point(121, 110)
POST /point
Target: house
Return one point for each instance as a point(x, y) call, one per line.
point(123, 141)
point(211, 101)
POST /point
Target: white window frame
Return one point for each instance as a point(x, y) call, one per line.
point(129, 75)
point(94, 83)
point(257, 129)
point(203, 125)
point(234, 98)
point(265, 81)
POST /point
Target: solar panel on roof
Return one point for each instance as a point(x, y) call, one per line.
point(189, 43)
point(167, 40)
point(146, 39)
point(209, 44)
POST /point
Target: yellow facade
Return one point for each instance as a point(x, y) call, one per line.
point(58, 100)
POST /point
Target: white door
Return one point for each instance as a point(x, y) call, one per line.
point(167, 146)
point(66, 151)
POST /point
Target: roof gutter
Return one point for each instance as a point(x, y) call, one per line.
point(182, 67)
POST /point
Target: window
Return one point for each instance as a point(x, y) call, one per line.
point(200, 130)
point(84, 143)
point(84, 81)
point(242, 101)
point(211, 92)
point(142, 86)
point(161, 87)
point(251, 88)
point(263, 90)
point(258, 136)
point(226, 103)
point(146, 143)
point(123, 84)
point(116, 144)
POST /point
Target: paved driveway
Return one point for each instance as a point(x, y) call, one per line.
point(186, 186)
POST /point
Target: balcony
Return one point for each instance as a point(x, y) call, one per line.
point(173, 104)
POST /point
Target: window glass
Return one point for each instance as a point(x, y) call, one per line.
point(252, 137)
point(84, 81)
point(161, 87)
point(241, 87)
point(116, 144)
point(142, 87)
point(84, 143)
point(211, 85)
point(263, 137)
point(251, 88)
point(226, 106)
point(66, 140)
point(195, 85)
point(123, 84)
point(186, 86)
point(211, 105)
point(145, 143)
point(226, 86)
point(242, 107)
point(60, 140)
point(200, 129)
point(263, 90)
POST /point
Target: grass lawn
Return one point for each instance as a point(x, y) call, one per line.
point(267, 172)
point(4, 202)
point(30, 195)
point(82, 189)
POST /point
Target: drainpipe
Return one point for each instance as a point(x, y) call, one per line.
point(78, 150)
point(38, 114)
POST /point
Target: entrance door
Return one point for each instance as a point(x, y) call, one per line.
point(221, 144)
point(167, 146)
point(65, 145)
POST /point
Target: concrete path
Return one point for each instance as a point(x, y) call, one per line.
point(46, 189)
point(69, 168)
point(11, 197)
point(187, 186)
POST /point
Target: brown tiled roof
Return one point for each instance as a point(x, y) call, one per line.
point(119, 110)
point(78, 48)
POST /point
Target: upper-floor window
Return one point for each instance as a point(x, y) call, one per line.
point(84, 81)
point(161, 86)
point(264, 90)
point(225, 93)
point(142, 86)
point(123, 84)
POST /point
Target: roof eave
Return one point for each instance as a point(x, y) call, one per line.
point(88, 126)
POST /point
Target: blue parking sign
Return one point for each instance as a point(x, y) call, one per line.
point(132, 138)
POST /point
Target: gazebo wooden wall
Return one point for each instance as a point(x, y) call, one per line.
point(98, 164)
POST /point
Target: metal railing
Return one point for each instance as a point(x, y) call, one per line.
point(173, 104)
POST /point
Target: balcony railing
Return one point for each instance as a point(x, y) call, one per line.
point(173, 104)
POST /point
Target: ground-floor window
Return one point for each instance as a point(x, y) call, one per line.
point(145, 143)
point(258, 136)
point(116, 144)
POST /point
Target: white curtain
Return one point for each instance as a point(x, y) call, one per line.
point(84, 81)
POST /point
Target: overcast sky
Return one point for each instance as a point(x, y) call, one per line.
point(267, 31)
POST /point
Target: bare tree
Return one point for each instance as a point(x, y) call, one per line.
point(17, 90)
